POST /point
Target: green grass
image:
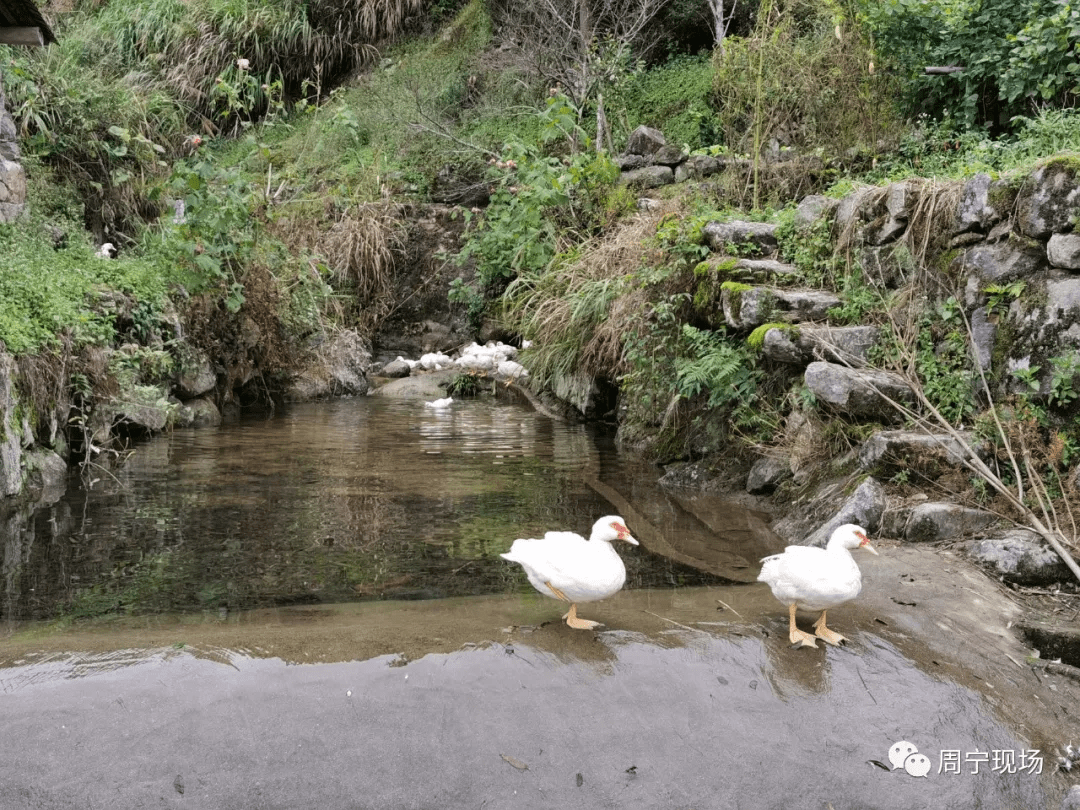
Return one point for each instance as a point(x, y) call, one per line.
point(44, 290)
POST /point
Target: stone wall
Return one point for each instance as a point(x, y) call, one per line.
point(12, 176)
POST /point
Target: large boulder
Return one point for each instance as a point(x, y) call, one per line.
point(196, 375)
point(1019, 556)
point(645, 141)
point(998, 263)
point(933, 521)
point(1063, 250)
point(864, 508)
point(1048, 200)
point(754, 306)
point(857, 392)
point(648, 177)
point(804, 344)
point(767, 474)
point(722, 235)
point(983, 203)
point(812, 208)
point(336, 367)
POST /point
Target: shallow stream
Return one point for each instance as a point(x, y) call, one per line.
point(310, 611)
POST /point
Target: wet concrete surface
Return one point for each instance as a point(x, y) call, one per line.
point(692, 698)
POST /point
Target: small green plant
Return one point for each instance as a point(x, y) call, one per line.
point(943, 363)
point(860, 299)
point(464, 385)
point(1028, 377)
point(1063, 380)
point(999, 295)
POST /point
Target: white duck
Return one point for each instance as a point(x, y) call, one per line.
point(446, 402)
point(817, 579)
point(566, 566)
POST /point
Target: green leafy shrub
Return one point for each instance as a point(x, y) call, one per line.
point(1011, 54)
point(674, 98)
point(539, 198)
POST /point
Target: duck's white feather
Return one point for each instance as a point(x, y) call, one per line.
point(583, 570)
point(815, 578)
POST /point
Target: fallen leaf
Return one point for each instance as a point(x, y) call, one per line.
point(517, 763)
point(881, 765)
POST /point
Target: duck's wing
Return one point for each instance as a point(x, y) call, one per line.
point(551, 557)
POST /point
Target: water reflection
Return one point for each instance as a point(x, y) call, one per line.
point(341, 501)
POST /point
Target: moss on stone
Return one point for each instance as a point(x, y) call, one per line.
point(756, 339)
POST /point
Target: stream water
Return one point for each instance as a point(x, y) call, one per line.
point(310, 611)
point(331, 502)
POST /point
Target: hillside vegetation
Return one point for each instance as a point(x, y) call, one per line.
point(252, 160)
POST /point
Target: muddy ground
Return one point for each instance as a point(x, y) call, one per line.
point(689, 698)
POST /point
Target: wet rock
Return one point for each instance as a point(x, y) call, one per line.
point(45, 476)
point(200, 412)
point(745, 309)
point(1049, 198)
point(648, 177)
point(901, 446)
point(864, 508)
point(812, 208)
point(856, 391)
point(334, 368)
point(805, 344)
point(766, 474)
point(687, 475)
point(1063, 250)
point(929, 522)
point(1019, 556)
point(645, 141)
point(142, 408)
point(720, 235)
point(196, 375)
point(395, 368)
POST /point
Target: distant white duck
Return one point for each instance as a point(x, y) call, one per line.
point(106, 251)
point(817, 579)
point(566, 566)
point(440, 403)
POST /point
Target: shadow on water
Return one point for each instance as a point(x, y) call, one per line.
point(351, 500)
